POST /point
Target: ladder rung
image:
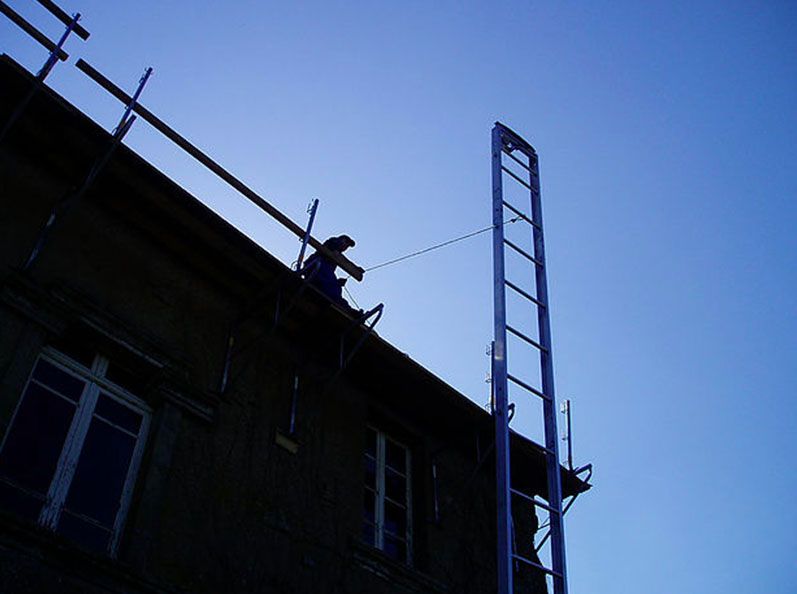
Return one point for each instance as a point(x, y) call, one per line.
point(523, 559)
point(531, 389)
point(518, 161)
point(523, 253)
point(518, 179)
point(528, 296)
point(535, 502)
point(520, 214)
point(525, 338)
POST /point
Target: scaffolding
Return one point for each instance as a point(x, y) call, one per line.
point(349, 340)
point(133, 106)
point(514, 160)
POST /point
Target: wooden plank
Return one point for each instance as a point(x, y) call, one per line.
point(31, 30)
point(62, 16)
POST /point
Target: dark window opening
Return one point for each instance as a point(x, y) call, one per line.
point(70, 455)
point(387, 496)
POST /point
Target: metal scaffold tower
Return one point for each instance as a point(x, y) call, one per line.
point(515, 161)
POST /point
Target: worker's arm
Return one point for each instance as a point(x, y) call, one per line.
point(339, 259)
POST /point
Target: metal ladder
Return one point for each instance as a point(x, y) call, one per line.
point(508, 148)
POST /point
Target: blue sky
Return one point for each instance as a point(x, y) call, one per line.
point(666, 134)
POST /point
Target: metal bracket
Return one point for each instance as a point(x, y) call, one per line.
point(345, 358)
point(307, 234)
point(376, 314)
point(587, 468)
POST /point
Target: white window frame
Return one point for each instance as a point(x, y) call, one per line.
point(381, 496)
point(94, 382)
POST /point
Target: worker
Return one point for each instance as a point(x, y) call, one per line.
point(320, 271)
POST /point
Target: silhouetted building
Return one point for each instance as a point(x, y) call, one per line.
point(145, 451)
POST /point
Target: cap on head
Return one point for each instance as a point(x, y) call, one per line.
point(339, 243)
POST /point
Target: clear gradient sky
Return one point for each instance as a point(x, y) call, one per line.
point(666, 133)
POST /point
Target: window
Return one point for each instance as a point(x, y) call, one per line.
point(69, 458)
point(387, 509)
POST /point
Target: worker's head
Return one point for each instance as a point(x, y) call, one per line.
point(340, 243)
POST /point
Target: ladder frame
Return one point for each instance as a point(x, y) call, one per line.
point(505, 142)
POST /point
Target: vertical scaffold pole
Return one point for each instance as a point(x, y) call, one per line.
point(53, 58)
point(308, 233)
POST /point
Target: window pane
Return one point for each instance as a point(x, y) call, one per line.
point(369, 506)
point(84, 533)
point(370, 442)
point(20, 503)
point(118, 414)
point(395, 486)
point(395, 519)
point(36, 438)
point(96, 489)
point(396, 548)
point(396, 456)
point(58, 379)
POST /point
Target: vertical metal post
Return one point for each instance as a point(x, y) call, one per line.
point(549, 404)
point(53, 57)
point(500, 384)
point(132, 103)
point(225, 372)
point(435, 494)
point(568, 433)
point(294, 397)
point(62, 16)
point(306, 238)
point(491, 381)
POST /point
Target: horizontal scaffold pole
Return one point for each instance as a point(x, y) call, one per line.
point(346, 264)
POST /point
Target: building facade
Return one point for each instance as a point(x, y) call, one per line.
point(180, 412)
